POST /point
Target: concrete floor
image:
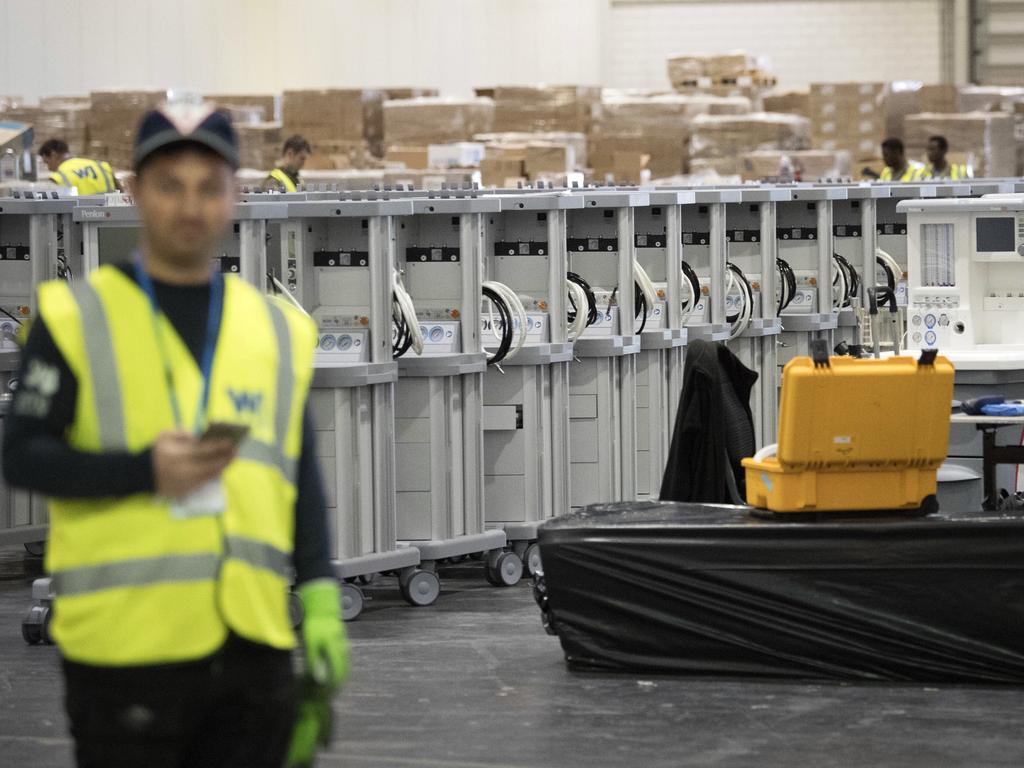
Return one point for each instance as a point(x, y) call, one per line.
point(474, 682)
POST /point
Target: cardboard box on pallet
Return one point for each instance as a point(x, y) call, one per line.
point(576, 141)
point(436, 120)
point(113, 120)
point(658, 126)
point(686, 67)
point(334, 114)
point(67, 119)
point(789, 102)
point(544, 159)
point(502, 171)
point(373, 112)
point(911, 97)
point(259, 144)
point(807, 164)
point(849, 116)
point(408, 157)
point(725, 138)
point(255, 108)
point(987, 138)
point(544, 108)
point(988, 98)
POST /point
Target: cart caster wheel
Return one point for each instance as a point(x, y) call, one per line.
point(35, 628)
point(295, 610)
point(31, 633)
point(351, 601)
point(47, 617)
point(366, 580)
point(35, 548)
point(531, 560)
point(929, 505)
point(420, 588)
point(503, 569)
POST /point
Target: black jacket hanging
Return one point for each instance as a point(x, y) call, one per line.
point(714, 427)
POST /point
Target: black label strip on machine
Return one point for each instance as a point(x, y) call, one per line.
point(521, 248)
point(796, 233)
point(592, 244)
point(846, 230)
point(14, 253)
point(656, 240)
point(229, 264)
point(449, 254)
point(892, 229)
point(696, 238)
point(341, 258)
point(742, 235)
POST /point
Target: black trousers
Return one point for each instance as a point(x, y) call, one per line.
point(235, 708)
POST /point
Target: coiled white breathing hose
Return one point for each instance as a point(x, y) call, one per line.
point(405, 306)
point(516, 309)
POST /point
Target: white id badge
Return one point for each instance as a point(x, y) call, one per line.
point(207, 501)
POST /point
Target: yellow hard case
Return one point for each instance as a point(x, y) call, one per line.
point(856, 435)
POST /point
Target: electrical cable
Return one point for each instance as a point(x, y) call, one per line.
point(692, 283)
point(741, 319)
point(10, 315)
point(505, 321)
point(516, 313)
point(787, 284)
point(893, 271)
point(281, 290)
point(577, 321)
point(589, 293)
point(402, 302)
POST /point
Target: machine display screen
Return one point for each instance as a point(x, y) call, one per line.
point(996, 235)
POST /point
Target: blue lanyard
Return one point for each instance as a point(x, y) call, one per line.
point(213, 319)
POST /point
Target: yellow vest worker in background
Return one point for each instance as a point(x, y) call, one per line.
point(285, 176)
point(162, 409)
point(940, 168)
point(897, 167)
point(89, 177)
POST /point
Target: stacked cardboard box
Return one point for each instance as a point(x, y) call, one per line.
point(504, 165)
point(249, 108)
point(373, 112)
point(726, 74)
point(988, 98)
point(10, 102)
point(435, 120)
point(718, 142)
point(408, 157)
point(850, 116)
point(910, 97)
point(657, 126)
point(985, 137)
point(544, 108)
point(113, 120)
point(790, 102)
point(56, 117)
point(324, 115)
point(575, 142)
point(805, 165)
point(259, 144)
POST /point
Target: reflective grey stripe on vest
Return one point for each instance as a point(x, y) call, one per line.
point(136, 573)
point(107, 175)
point(99, 352)
point(64, 178)
point(285, 379)
point(273, 455)
point(258, 554)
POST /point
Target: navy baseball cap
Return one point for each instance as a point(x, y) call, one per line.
point(186, 122)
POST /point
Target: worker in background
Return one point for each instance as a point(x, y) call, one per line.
point(285, 176)
point(938, 166)
point(89, 177)
point(897, 167)
point(171, 551)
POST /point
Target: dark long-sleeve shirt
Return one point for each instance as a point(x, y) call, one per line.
point(36, 455)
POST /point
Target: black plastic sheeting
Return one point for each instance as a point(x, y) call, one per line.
point(706, 589)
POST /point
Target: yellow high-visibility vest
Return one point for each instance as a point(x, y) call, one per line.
point(914, 172)
point(284, 180)
point(136, 583)
point(89, 177)
point(955, 172)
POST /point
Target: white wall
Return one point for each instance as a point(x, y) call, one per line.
point(266, 45)
point(806, 41)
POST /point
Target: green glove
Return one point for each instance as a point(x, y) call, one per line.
point(312, 725)
point(323, 634)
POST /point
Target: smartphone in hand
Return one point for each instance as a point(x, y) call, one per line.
point(224, 430)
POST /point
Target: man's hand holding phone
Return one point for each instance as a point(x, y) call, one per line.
point(183, 463)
